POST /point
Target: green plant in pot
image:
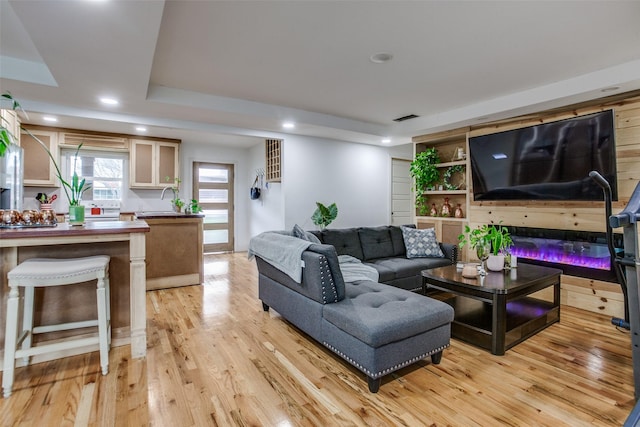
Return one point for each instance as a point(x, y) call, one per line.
point(193, 207)
point(491, 243)
point(176, 203)
point(425, 175)
point(73, 189)
point(324, 215)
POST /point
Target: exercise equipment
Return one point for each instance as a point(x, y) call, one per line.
point(626, 266)
point(613, 254)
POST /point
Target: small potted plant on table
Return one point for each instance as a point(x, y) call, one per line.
point(491, 243)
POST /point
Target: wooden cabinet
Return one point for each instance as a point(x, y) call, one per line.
point(152, 162)
point(274, 160)
point(93, 141)
point(174, 251)
point(39, 169)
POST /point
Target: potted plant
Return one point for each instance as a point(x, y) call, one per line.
point(425, 174)
point(73, 189)
point(193, 207)
point(324, 215)
point(491, 243)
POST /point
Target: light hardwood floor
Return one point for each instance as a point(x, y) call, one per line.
point(216, 359)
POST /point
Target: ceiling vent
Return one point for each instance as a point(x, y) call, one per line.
point(402, 119)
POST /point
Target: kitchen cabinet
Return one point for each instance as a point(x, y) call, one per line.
point(152, 162)
point(174, 249)
point(93, 141)
point(39, 169)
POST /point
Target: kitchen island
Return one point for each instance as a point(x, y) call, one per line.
point(123, 241)
point(174, 249)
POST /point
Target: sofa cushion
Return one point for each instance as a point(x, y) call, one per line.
point(421, 243)
point(345, 240)
point(399, 268)
point(378, 314)
point(397, 240)
point(375, 242)
point(304, 235)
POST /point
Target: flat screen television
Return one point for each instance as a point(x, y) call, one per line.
point(549, 161)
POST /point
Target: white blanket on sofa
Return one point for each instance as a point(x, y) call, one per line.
point(282, 251)
point(353, 269)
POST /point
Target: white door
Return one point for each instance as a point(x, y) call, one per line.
point(401, 203)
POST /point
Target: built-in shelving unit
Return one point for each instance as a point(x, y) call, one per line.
point(273, 149)
point(448, 145)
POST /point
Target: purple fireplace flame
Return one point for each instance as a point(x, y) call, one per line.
point(579, 254)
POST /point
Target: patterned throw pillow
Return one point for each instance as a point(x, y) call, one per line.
point(421, 243)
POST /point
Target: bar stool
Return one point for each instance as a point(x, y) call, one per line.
point(47, 272)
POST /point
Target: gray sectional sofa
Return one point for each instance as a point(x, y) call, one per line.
point(375, 327)
point(383, 248)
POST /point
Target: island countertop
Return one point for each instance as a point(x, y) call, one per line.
point(65, 229)
point(166, 214)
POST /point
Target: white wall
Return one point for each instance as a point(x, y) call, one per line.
point(267, 212)
point(354, 176)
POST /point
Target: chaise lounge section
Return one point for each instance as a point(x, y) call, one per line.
point(375, 327)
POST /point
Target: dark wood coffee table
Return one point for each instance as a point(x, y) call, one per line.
point(497, 311)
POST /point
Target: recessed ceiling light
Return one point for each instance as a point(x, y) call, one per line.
point(610, 89)
point(109, 101)
point(141, 128)
point(381, 58)
point(386, 140)
point(288, 125)
point(49, 119)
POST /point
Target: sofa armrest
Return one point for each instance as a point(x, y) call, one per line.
point(450, 251)
point(321, 277)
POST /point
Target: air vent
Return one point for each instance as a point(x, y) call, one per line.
point(402, 119)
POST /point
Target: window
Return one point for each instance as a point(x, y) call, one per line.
point(104, 170)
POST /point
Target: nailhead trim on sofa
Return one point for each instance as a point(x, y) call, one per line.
point(385, 371)
point(325, 272)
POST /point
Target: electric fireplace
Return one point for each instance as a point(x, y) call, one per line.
point(577, 253)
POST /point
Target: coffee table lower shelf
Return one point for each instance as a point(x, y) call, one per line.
point(525, 317)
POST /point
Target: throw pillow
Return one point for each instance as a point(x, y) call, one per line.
point(301, 234)
point(421, 243)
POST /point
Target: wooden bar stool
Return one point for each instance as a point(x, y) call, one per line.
point(46, 272)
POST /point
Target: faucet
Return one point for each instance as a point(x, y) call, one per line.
point(173, 190)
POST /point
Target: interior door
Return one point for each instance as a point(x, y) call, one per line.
point(400, 192)
point(213, 189)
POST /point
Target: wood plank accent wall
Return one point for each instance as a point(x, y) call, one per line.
point(593, 295)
